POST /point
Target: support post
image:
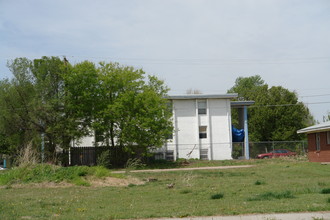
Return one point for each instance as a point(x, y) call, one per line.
point(246, 135)
point(42, 147)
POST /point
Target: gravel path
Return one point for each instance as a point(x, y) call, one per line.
point(276, 216)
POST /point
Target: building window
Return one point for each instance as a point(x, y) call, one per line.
point(202, 132)
point(169, 136)
point(99, 136)
point(201, 107)
point(328, 137)
point(318, 142)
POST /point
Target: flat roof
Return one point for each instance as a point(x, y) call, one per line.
point(204, 96)
point(316, 128)
point(238, 104)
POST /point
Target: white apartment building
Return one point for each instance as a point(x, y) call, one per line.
point(202, 128)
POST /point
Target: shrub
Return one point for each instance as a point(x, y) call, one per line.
point(217, 196)
point(258, 182)
point(325, 191)
point(104, 159)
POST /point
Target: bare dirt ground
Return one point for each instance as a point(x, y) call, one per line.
point(112, 181)
point(104, 182)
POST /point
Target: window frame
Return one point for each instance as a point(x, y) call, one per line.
point(202, 132)
point(202, 109)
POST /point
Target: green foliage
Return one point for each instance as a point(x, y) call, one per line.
point(134, 163)
point(49, 173)
point(325, 191)
point(49, 96)
point(217, 196)
point(276, 115)
point(104, 159)
point(258, 182)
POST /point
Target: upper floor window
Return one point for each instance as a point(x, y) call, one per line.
point(201, 107)
point(202, 132)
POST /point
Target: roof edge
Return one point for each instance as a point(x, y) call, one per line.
point(315, 128)
point(204, 96)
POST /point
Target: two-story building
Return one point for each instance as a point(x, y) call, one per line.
point(202, 127)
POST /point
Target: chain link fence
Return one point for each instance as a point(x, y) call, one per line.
point(202, 151)
point(300, 147)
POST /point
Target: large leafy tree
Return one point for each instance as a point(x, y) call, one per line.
point(49, 97)
point(126, 109)
point(33, 105)
point(276, 115)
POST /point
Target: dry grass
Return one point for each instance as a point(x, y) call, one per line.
point(27, 156)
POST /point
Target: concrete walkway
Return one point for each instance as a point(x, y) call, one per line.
point(186, 169)
point(278, 216)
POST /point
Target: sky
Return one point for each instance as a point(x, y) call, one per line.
point(190, 44)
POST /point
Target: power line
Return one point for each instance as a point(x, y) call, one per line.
point(203, 61)
point(314, 95)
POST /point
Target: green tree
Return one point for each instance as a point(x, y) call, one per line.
point(63, 102)
point(33, 104)
point(276, 115)
point(127, 110)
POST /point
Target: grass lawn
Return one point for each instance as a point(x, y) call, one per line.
point(274, 185)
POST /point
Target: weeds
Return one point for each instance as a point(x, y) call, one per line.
point(50, 173)
point(272, 195)
point(27, 157)
point(133, 164)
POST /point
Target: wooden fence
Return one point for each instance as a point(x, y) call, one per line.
point(85, 155)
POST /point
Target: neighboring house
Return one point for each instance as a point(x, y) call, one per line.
point(318, 142)
point(202, 127)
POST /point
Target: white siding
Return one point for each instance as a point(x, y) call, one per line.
point(187, 121)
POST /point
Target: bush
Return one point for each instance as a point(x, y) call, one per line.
point(51, 173)
point(104, 159)
point(325, 191)
point(217, 196)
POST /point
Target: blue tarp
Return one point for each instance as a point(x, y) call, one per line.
point(238, 134)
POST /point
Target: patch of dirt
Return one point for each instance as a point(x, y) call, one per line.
point(107, 181)
point(112, 181)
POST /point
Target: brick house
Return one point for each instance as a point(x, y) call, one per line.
point(318, 142)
